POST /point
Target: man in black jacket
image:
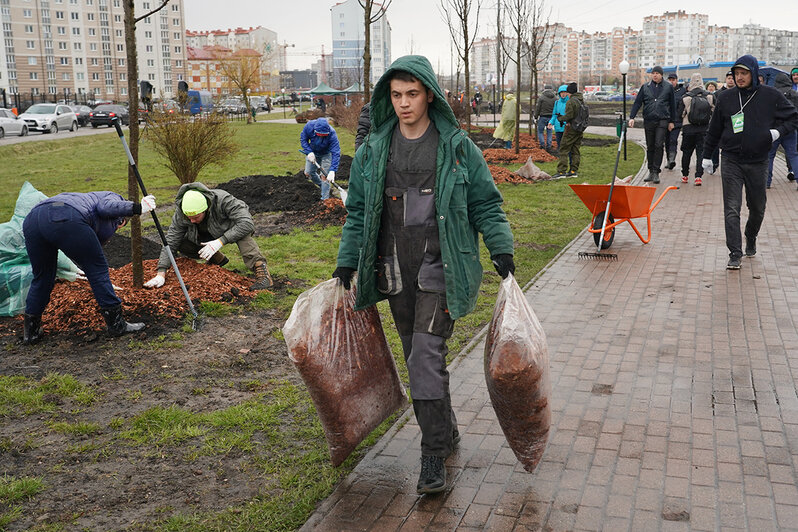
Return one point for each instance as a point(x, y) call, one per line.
point(543, 111)
point(659, 110)
point(747, 120)
point(673, 135)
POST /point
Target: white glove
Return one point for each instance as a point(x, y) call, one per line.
point(156, 282)
point(706, 164)
point(331, 176)
point(774, 134)
point(147, 204)
point(210, 248)
point(311, 157)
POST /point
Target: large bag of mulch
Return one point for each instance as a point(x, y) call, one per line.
point(344, 359)
point(15, 269)
point(531, 171)
point(517, 374)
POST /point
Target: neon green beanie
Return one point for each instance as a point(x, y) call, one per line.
point(193, 203)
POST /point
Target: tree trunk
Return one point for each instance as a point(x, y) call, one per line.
point(136, 260)
point(518, 93)
point(467, 73)
point(367, 51)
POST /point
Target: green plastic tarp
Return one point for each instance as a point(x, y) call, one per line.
point(16, 273)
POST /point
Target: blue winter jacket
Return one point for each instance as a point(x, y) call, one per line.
point(319, 137)
point(102, 211)
point(559, 109)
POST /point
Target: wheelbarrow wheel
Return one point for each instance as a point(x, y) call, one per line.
point(609, 234)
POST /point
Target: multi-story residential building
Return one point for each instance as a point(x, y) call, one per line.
point(67, 47)
point(207, 72)
point(348, 37)
point(261, 39)
point(672, 38)
point(483, 67)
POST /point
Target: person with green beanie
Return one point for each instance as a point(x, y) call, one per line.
point(205, 220)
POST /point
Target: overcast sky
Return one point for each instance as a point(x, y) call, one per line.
point(418, 27)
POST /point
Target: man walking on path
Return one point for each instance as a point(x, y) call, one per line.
point(659, 109)
point(747, 120)
point(697, 106)
point(568, 166)
point(783, 84)
point(673, 134)
point(419, 194)
point(544, 109)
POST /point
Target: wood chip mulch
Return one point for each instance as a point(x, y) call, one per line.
point(328, 212)
point(72, 306)
point(503, 175)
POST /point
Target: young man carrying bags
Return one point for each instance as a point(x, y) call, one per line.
point(419, 194)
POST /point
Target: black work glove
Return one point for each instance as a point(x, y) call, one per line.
point(503, 263)
point(345, 275)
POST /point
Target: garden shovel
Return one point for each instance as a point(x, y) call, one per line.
point(195, 321)
point(341, 191)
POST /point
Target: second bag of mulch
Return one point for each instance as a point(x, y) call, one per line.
point(517, 374)
point(344, 359)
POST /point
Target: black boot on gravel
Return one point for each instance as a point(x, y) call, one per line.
point(433, 475)
point(750, 247)
point(32, 329)
point(117, 326)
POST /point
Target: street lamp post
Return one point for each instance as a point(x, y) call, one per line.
point(624, 68)
point(283, 98)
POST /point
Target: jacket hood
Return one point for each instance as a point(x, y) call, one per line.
point(782, 82)
point(696, 82)
point(509, 96)
point(749, 62)
point(321, 127)
point(420, 67)
point(549, 93)
point(563, 88)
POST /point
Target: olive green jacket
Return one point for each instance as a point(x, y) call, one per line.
point(228, 220)
point(466, 198)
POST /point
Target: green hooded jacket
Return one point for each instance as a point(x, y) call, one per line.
point(227, 217)
point(466, 198)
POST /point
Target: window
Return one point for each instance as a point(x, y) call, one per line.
point(151, 77)
point(117, 18)
point(175, 22)
point(27, 13)
point(120, 62)
point(31, 45)
point(92, 32)
point(75, 31)
point(61, 30)
point(93, 47)
point(34, 75)
point(150, 62)
point(175, 7)
point(95, 76)
point(148, 48)
point(120, 47)
point(62, 46)
point(177, 36)
point(94, 61)
point(64, 60)
point(32, 60)
point(122, 77)
point(117, 3)
point(65, 76)
point(74, 16)
point(89, 16)
point(118, 33)
point(59, 15)
point(77, 46)
point(80, 76)
point(78, 60)
point(28, 28)
point(178, 49)
point(148, 35)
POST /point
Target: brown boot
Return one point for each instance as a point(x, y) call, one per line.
point(263, 279)
point(218, 259)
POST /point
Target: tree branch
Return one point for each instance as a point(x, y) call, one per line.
point(163, 5)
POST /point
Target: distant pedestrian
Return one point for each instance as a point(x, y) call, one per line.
point(559, 110)
point(697, 106)
point(712, 87)
point(544, 109)
point(659, 109)
point(789, 142)
point(506, 129)
point(673, 135)
point(570, 157)
point(746, 122)
point(363, 124)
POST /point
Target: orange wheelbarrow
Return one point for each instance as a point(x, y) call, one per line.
point(627, 202)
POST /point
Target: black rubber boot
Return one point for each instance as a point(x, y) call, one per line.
point(433, 475)
point(32, 331)
point(671, 161)
point(264, 280)
point(117, 326)
point(218, 259)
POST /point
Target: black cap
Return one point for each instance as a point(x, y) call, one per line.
point(673, 75)
point(571, 88)
point(657, 69)
point(729, 73)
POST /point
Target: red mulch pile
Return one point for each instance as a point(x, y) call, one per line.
point(328, 212)
point(503, 175)
point(500, 155)
point(72, 306)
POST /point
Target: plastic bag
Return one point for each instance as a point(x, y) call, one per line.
point(344, 360)
point(15, 270)
point(517, 374)
point(531, 171)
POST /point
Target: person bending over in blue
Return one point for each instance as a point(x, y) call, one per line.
point(77, 224)
point(320, 144)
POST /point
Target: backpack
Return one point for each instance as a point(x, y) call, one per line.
point(580, 121)
point(700, 109)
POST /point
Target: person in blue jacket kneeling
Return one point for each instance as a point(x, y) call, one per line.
point(77, 224)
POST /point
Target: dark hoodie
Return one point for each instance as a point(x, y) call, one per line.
point(783, 84)
point(545, 104)
point(766, 109)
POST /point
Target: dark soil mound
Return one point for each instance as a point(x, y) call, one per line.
point(343, 168)
point(117, 250)
point(268, 193)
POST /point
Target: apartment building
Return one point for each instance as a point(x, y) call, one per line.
point(67, 47)
point(257, 38)
point(348, 39)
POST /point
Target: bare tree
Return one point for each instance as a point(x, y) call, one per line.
point(369, 18)
point(463, 28)
point(518, 16)
point(243, 72)
point(540, 47)
point(133, 130)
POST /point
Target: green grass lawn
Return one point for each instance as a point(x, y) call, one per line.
point(544, 218)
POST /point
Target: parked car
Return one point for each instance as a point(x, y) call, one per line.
point(619, 98)
point(82, 112)
point(199, 102)
point(232, 106)
point(11, 124)
point(103, 115)
point(49, 118)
